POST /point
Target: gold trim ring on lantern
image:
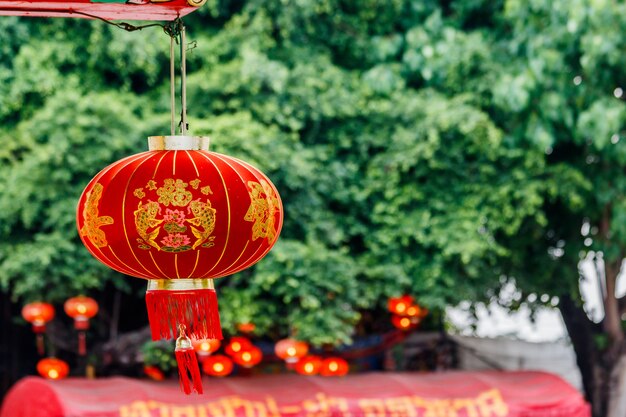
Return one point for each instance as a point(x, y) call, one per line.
point(178, 143)
point(180, 284)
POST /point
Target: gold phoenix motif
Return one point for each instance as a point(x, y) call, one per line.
point(263, 207)
point(93, 220)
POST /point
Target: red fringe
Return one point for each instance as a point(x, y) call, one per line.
point(40, 345)
point(188, 370)
point(196, 309)
point(82, 343)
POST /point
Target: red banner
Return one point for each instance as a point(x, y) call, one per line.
point(453, 394)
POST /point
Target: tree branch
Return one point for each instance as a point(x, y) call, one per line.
point(612, 317)
point(581, 331)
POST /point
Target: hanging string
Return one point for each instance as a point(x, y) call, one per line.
point(122, 25)
point(175, 29)
point(172, 89)
point(183, 81)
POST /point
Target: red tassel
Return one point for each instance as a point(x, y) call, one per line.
point(188, 369)
point(82, 343)
point(196, 309)
point(40, 346)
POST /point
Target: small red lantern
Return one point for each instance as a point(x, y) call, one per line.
point(416, 313)
point(236, 344)
point(38, 314)
point(180, 216)
point(153, 373)
point(309, 365)
point(52, 368)
point(334, 367)
point(218, 365)
point(248, 356)
point(402, 322)
point(399, 305)
point(204, 347)
point(291, 350)
point(246, 328)
point(81, 309)
point(413, 311)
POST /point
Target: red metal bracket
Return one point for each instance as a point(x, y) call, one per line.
point(104, 9)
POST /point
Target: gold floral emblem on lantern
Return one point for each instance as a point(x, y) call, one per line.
point(175, 222)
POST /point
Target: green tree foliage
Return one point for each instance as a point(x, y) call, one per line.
point(440, 148)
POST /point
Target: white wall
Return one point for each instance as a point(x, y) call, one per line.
point(483, 353)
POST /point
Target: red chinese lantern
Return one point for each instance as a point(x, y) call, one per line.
point(204, 347)
point(153, 372)
point(399, 305)
point(38, 314)
point(218, 365)
point(180, 216)
point(236, 344)
point(402, 322)
point(81, 309)
point(291, 350)
point(309, 365)
point(334, 367)
point(52, 368)
point(246, 327)
point(416, 313)
point(248, 356)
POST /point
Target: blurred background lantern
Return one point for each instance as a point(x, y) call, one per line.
point(416, 313)
point(413, 311)
point(153, 372)
point(334, 367)
point(204, 347)
point(399, 305)
point(217, 365)
point(236, 344)
point(248, 356)
point(180, 216)
point(291, 350)
point(81, 309)
point(402, 322)
point(246, 328)
point(309, 365)
point(52, 368)
point(38, 314)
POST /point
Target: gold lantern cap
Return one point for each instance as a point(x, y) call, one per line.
point(178, 143)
